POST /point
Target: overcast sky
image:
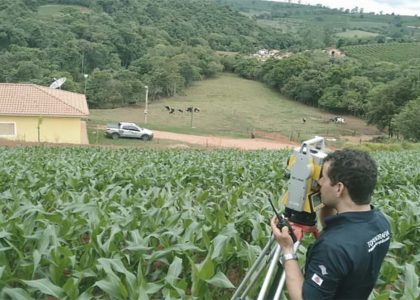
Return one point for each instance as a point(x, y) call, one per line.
point(401, 7)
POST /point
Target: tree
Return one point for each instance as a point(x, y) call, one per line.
point(277, 72)
point(103, 90)
point(248, 68)
point(386, 100)
point(332, 99)
point(356, 90)
point(381, 71)
point(188, 68)
point(307, 87)
point(407, 121)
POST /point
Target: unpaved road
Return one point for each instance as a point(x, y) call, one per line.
point(223, 142)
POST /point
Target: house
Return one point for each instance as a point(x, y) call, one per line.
point(34, 113)
point(334, 52)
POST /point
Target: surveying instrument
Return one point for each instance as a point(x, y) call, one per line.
point(301, 201)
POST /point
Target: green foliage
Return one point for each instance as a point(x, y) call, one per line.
point(276, 73)
point(166, 44)
point(123, 224)
point(385, 101)
point(307, 87)
point(407, 121)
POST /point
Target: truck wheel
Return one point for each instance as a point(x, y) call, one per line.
point(145, 137)
point(115, 136)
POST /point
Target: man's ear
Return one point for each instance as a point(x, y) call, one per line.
point(340, 189)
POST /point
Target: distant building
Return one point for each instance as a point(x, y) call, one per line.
point(34, 113)
point(334, 52)
point(264, 54)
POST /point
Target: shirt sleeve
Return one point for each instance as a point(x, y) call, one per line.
point(325, 268)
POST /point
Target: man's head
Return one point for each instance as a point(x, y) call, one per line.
point(355, 170)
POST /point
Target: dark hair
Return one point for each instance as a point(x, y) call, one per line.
point(356, 170)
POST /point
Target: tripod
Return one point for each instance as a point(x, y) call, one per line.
point(270, 256)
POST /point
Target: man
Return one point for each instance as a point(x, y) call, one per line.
point(344, 262)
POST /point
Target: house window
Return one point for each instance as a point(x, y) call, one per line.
point(7, 129)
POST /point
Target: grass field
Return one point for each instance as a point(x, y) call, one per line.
point(356, 34)
point(232, 106)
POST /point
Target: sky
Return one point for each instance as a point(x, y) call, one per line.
point(399, 7)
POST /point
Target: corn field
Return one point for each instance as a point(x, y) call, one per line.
point(95, 223)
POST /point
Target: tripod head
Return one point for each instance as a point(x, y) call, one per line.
point(302, 199)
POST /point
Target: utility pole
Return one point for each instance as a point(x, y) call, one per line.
point(192, 110)
point(146, 104)
point(86, 77)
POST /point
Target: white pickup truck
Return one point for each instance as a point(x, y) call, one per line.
point(128, 130)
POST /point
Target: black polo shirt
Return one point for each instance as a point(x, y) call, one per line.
point(344, 262)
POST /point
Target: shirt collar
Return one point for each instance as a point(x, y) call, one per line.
point(352, 216)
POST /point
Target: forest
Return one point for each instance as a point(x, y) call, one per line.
point(111, 49)
point(122, 45)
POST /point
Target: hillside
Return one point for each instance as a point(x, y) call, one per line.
point(323, 27)
point(236, 107)
point(123, 45)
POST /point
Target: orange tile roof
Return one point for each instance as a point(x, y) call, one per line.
point(31, 99)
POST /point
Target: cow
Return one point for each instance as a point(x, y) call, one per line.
point(337, 120)
point(192, 109)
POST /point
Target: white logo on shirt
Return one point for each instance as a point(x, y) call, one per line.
point(377, 240)
point(323, 269)
point(318, 280)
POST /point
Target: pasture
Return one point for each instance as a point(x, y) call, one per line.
point(235, 107)
point(356, 34)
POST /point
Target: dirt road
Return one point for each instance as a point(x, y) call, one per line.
point(222, 142)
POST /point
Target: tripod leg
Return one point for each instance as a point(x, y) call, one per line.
point(257, 274)
point(283, 277)
point(280, 286)
point(252, 270)
point(270, 272)
point(274, 288)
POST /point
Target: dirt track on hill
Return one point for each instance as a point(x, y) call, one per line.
point(223, 142)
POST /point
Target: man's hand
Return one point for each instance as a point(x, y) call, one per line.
point(294, 276)
point(282, 237)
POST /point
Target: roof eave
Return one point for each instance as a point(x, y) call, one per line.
point(44, 115)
